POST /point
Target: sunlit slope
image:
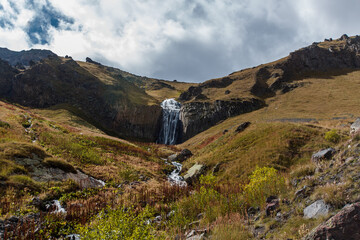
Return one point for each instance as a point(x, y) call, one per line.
point(291, 126)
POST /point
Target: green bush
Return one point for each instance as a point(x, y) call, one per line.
point(332, 136)
point(119, 224)
point(56, 163)
point(264, 182)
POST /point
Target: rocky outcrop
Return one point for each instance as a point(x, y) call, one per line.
point(195, 92)
point(40, 171)
point(24, 58)
point(199, 116)
point(344, 225)
point(315, 58)
point(181, 156)
point(89, 60)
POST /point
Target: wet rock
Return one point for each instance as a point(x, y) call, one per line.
point(355, 127)
point(325, 154)
point(344, 225)
point(194, 173)
point(242, 127)
point(317, 209)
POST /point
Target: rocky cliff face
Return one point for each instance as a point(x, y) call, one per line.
point(343, 54)
point(139, 122)
point(199, 116)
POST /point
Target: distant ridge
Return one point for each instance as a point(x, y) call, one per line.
point(24, 58)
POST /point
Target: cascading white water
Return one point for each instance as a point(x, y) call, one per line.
point(170, 129)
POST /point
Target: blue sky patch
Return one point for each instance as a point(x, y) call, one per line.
point(46, 17)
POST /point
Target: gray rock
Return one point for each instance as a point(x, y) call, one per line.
point(194, 173)
point(325, 154)
point(355, 127)
point(317, 209)
point(180, 157)
point(344, 225)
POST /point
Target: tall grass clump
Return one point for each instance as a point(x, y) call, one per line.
point(264, 182)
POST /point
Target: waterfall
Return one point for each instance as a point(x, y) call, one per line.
point(171, 126)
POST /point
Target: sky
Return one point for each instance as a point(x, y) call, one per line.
point(186, 40)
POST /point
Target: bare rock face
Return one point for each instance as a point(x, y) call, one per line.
point(344, 225)
point(199, 116)
point(141, 122)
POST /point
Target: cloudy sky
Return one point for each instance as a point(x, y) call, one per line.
point(187, 40)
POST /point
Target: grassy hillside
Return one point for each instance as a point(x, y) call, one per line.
point(43, 151)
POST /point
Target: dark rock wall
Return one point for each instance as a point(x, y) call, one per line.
point(199, 116)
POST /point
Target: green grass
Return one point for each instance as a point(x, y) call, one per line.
point(8, 168)
point(11, 150)
point(280, 145)
point(57, 163)
point(22, 181)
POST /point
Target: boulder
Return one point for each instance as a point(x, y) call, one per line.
point(344, 225)
point(325, 154)
point(194, 173)
point(355, 127)
point(89, 60)
point(242, 127)
point(317, 209)
point(180, 157)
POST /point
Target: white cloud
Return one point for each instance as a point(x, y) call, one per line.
point(191, 40)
